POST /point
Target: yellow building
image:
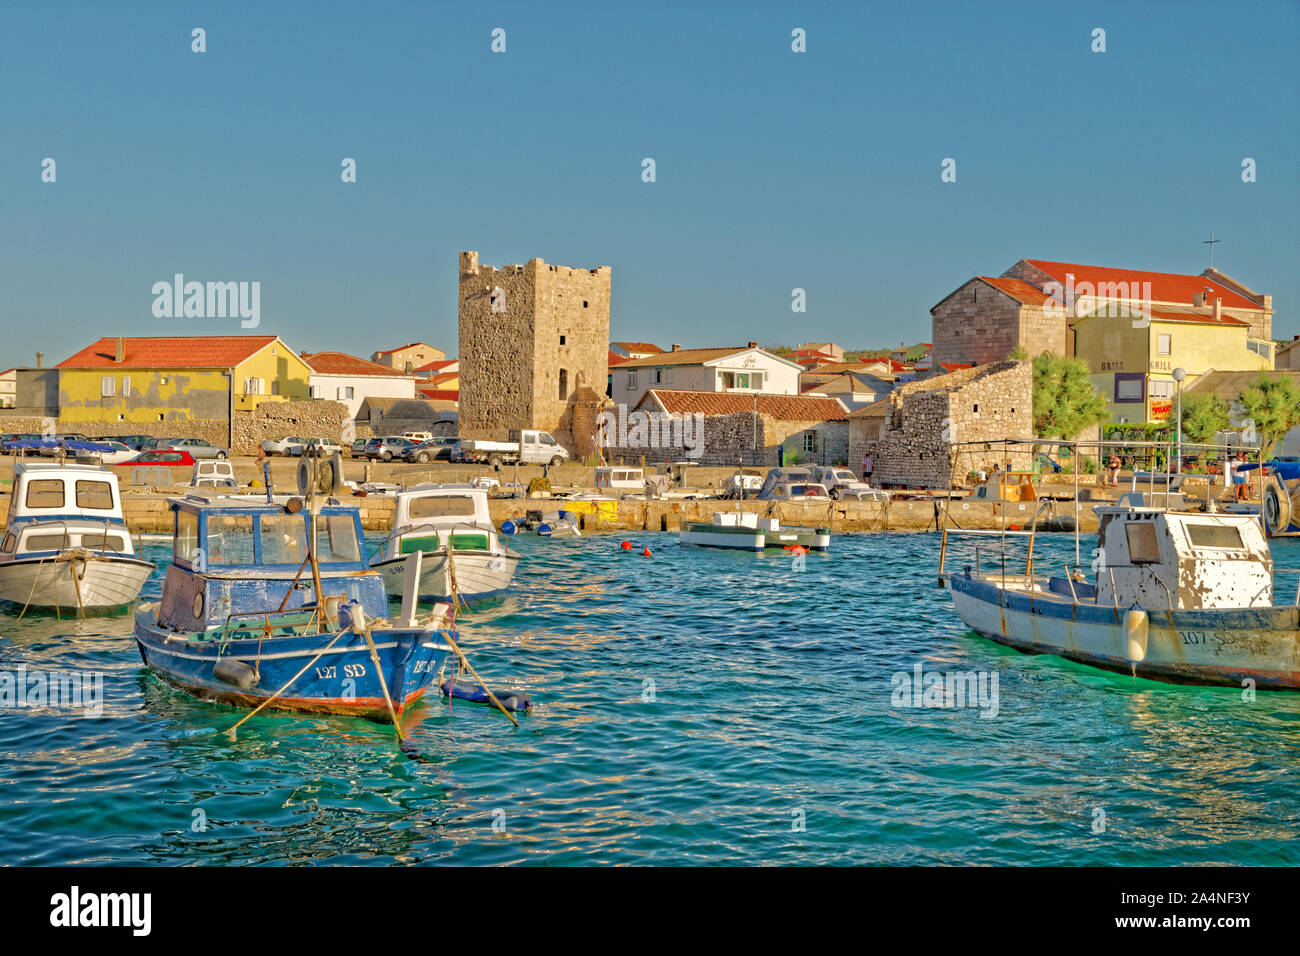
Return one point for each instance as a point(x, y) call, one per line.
point(178, 378)
point(1133, 355)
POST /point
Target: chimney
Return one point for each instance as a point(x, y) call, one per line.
point(1218, 309)
point(752, 345)
point(677, 348)
point(40, 359)
point(120, 355)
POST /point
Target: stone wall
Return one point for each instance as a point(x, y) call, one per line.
point(928, 419)
point(312, 419)
point(520, 366)
point(269, 420)
point(977, 323)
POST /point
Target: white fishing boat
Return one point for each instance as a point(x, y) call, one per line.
point(452, 526)
point(66, 545)
point(745, 531)
point(1178, 596)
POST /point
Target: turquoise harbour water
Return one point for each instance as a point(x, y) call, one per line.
point(767, 737)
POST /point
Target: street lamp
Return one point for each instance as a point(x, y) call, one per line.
point(1179, 375)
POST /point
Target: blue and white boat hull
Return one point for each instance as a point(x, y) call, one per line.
point(340, 675)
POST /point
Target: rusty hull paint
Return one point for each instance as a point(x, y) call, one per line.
point(1193, 647)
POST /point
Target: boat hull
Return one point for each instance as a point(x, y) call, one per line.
point(343, 680)
point(480, 575)
point(814, 539)
point(98, 583)
point(1198, 646)
point(714, 536)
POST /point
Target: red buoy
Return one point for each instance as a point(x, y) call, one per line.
point(627, 545)
point(646, 552)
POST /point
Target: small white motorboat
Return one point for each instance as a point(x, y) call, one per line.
point(744, 531)
point(462, 549)
point(66, 546)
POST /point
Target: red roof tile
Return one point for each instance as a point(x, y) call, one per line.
point(1165, 286)
point(1018, 289)
point(800, 408)
point(170, 351)
point(616, 359)
point(449, 394)
point(637, 346)
point(434, 366)
point(340, 363)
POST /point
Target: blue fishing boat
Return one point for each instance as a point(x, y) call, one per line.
point(268, 603)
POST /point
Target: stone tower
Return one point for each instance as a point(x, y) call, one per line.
point(530, 337)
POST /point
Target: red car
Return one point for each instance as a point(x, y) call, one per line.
point(165, 458)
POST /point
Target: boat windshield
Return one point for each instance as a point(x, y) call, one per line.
point(442, 506)
point(284, 539)
point(230, 539)
point(336, 538)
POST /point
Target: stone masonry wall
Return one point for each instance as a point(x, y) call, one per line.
point(553, 320)
point(977, 323)
point(269, 420)
point(927, 419)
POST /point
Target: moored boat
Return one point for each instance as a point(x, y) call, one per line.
point(240, 620)
point(451, 525)
point(1181, 597)
point(66, 546)
point(745, 531)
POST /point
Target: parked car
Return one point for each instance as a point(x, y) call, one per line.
point(358, 446)
point(434, 449)
point(132, 441)
point(842, 484)
point(386, 448)
point(60, 437)
point(159, 457)
point(322, 446)
point(283, 446)
point(417, 435)
point(198, 448)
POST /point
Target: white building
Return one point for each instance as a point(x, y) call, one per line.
point(339, 377)
point(8, 387)
point(745, 370)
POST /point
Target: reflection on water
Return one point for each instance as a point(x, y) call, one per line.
point(693, 707)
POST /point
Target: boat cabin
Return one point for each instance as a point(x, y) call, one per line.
point(427, 513)
point(58, 506)
point(1159, 559)
point(53, 490)
point(619, 476)
point(243, 557)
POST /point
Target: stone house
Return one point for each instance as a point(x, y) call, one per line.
point(733, 428)
point(1032, 304)
point(1287, 355)
point(530, 337)
point(931, 422)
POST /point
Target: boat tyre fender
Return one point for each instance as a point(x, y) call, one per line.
point(236, 673)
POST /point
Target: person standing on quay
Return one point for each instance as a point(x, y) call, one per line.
point(868, 467)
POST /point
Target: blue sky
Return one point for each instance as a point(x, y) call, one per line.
point(775, 170)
